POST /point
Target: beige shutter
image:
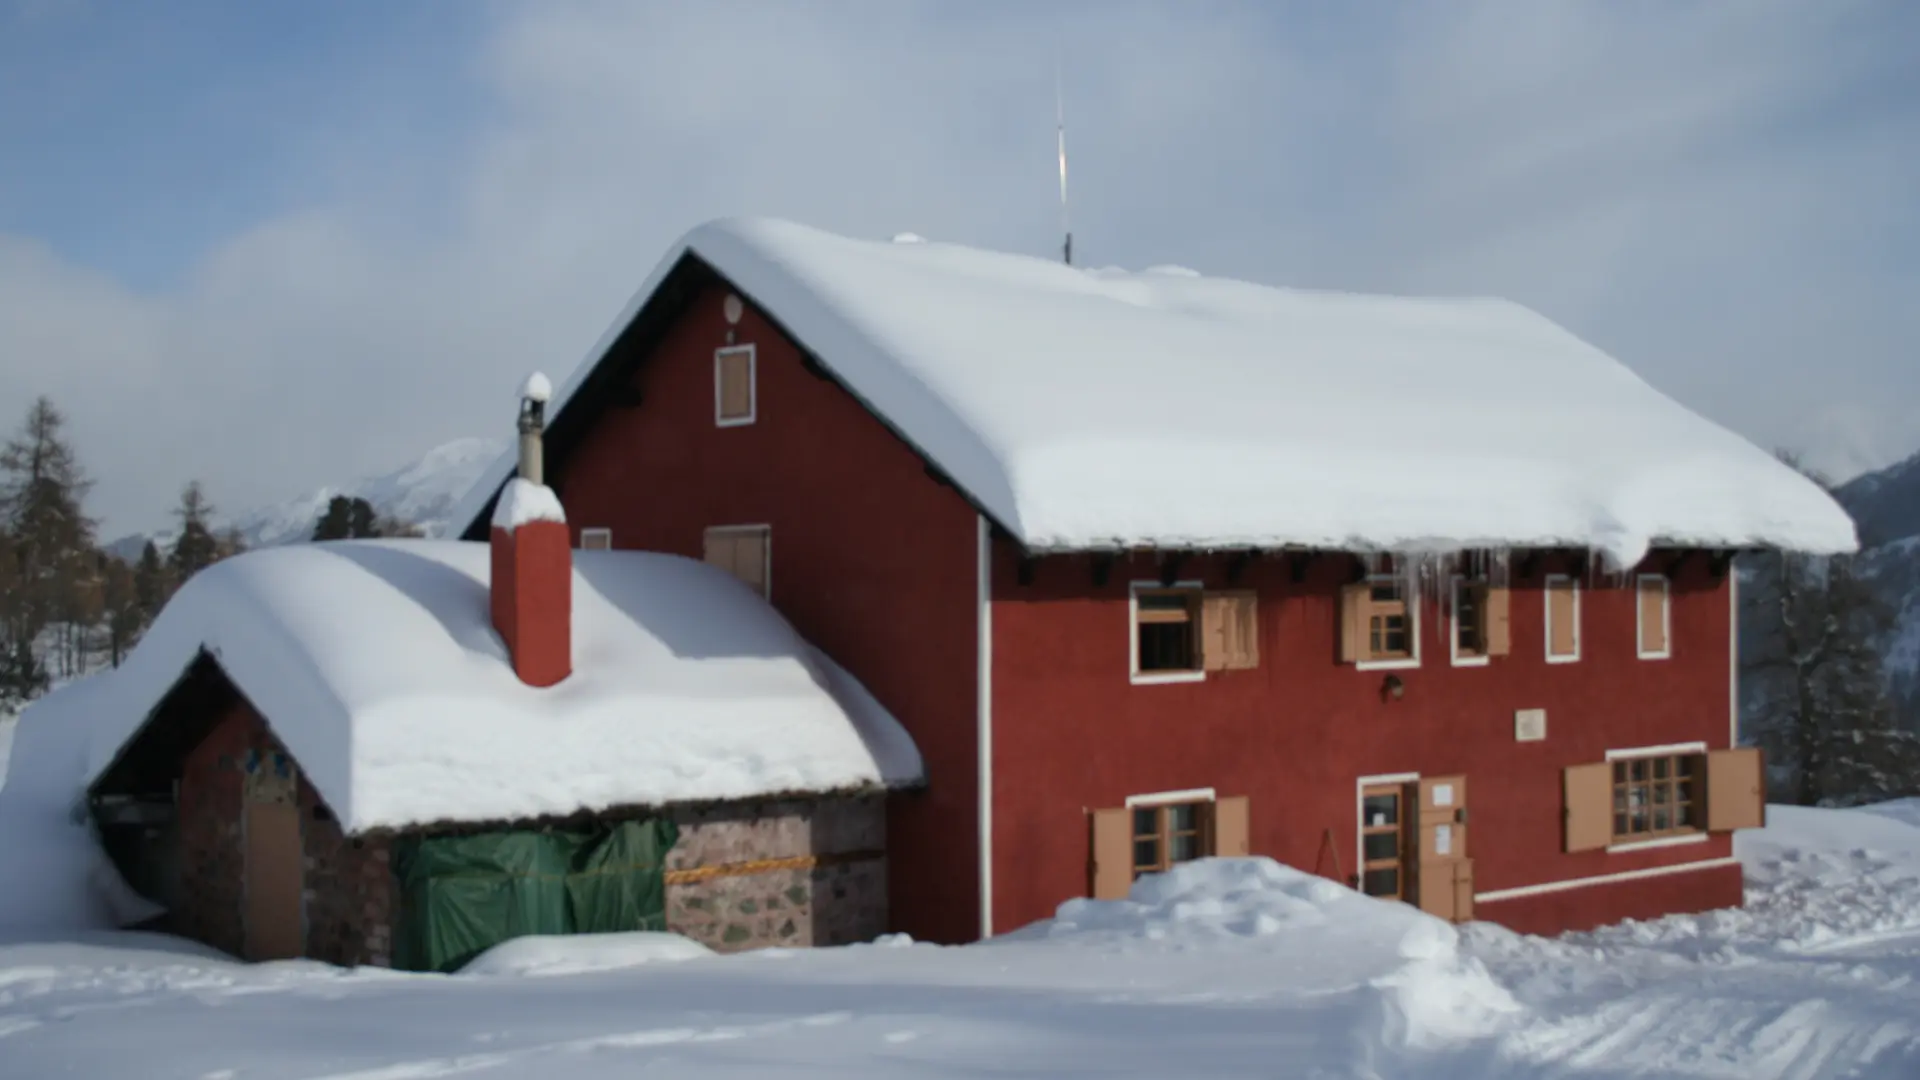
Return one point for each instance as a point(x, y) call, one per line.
point(736, 384)
point(1354, 601)
point(1463, 891)
point(1736, 793)
point(1588, 810)
point(750, 559)
point(1436, 815)
point(718, 549)
point(1496, 603)
point(1230, 630)
point(1216, 631)
point(1230, 825)
point(1562, 628)
point(1653, 615)
point(1110, 862)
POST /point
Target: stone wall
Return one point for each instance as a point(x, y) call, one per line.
point(347, 887)
point(789, 873)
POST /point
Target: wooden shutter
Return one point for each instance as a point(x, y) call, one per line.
point(1110, 861)
point(1495, 607)
point(1463, 891)
point(1653, 615)
point(718, 549)
point(1588, 810)
point(1230, 630)
point(1436, 815)
point(1230, 826)
point(1354, 601)
point(736, 384)
point(1563, 631)
point(1736, 794)
point(750, 559)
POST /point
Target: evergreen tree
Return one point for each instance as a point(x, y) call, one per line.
point(1816, 697)
point(42, 488)
point(362, 521)
point(120, 597)
point(336, 521)
point(196, 548)
point(151, 586)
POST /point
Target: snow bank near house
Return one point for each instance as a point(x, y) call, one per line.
point(578, 954)
point(1408, 966)
point(376, 663)
point(1256, 416)
point(7, 725)
point(54, 877)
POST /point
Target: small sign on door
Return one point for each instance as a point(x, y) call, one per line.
point(1443, 794)
point(1443, 840)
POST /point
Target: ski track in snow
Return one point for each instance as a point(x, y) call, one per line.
point(1817, 978)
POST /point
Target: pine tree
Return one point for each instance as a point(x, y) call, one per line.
point(151, 584)
point(120, 596)
point(336, 521)
point(42, 489)
point(196, 548)
point(1816, 696)
point(361, 520)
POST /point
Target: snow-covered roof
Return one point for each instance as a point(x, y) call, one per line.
point(1086, 408)
point(376, 664)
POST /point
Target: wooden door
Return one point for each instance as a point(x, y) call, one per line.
point(274, 879)
point(1383, 841)
point(1445, 877)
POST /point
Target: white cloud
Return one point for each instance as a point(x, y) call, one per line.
point(1690, 187)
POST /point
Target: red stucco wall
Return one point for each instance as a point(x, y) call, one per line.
point(1597, 905)
point(871, 560)
point(1071, 733)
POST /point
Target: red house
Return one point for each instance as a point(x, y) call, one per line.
point(1427, 596)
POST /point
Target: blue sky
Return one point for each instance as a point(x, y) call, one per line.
point(334, 235)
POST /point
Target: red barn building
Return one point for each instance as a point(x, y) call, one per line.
point(1429, 597)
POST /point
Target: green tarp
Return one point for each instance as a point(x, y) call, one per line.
point(461, 895)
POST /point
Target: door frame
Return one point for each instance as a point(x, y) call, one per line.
point(1360, 786)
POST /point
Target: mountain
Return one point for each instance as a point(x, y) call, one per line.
point(422, 493)
point(1886, 508)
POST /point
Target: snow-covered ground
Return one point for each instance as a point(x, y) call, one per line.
point(1227, 968)
point(6, 743)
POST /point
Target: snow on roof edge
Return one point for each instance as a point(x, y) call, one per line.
point(721, 245)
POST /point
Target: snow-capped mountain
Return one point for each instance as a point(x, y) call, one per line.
point(422, 493)
point(1886, 507)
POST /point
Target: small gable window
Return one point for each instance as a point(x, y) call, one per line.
point(596, 539)
point(735, 397)
point(1656, 618)
point(1166, 637)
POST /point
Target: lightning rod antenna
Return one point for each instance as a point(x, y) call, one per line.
point(1060, 120)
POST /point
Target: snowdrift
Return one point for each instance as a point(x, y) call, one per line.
point(579, 954)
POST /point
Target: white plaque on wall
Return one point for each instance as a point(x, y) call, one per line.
point(1529, 725)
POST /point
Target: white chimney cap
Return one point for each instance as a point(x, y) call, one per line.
point(536, 388)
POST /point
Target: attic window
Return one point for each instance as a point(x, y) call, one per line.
point(1480, 625)
point(1379, 623)
point(735, 401)
point(1166, 637)
point(596, 539)
point(745, 551)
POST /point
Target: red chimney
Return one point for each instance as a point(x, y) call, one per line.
point(532, 580)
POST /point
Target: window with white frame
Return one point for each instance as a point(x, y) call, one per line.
point(735, 395)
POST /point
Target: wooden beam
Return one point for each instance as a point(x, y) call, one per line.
point(1528, 563)
point(813, 366)
point(1299, 564)
point(939, 475)
point(1359, 571)
point(1025, 573)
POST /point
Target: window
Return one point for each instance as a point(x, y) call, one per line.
point(1655, 618)
point(1383, 842)
point(596, 539)
point(1480, 624)
point(1380, 623)
point(1656, 796)
point(1169, 834)
point(1166, 638)
point(745, 551)
point(1563, 619)
point(734, 399)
